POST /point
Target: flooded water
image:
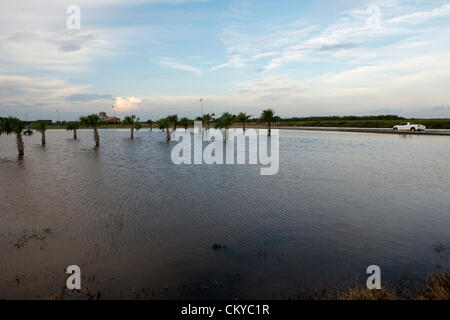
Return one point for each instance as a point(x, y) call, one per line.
point(142, 227)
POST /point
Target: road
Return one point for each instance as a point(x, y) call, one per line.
point(434, 132)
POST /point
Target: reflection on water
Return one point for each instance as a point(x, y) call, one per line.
point(139, 226)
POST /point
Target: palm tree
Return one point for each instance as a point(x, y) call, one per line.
point(150, 123)
point(41, 126)
point(243, 117)
point(14, 125)
point(206, 119)
point(133, 122)
point(164, 124)
point(161, 125)
point(185, 122)
point(268, 116)
point(4, 125)
point(92, 121)
point(73, 126)
point(225, 121)
point(173, 120)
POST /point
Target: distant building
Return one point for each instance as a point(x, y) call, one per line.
point(106, 119)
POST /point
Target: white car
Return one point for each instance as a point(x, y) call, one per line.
point(408, 126)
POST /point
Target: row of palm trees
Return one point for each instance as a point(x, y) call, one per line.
point(15, 126)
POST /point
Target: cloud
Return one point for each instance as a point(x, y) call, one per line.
point(249, 39)
point(309, 65)
point(421, 16)
point(85, 97)
point(127, 104)
point(336, 47)
point(290, 40)
point(170, 63)
point(29, 91)
point(56, 50)
point(407, 86)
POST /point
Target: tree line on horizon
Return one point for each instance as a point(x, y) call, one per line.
point(12, 125)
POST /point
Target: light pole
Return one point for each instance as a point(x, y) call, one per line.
point(114, 110)
point(201, 107)
point(57, 111)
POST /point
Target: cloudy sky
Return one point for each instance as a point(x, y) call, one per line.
point(155, 57)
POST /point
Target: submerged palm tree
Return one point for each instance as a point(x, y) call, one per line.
point(173, 120)
point(4, 125)
point(92, 121)
point(206, 119)
point(133, 122)
point(243, 117)
point(164, 124)
point(14, 125)
point(268, 116)
point(185, 122)
point(41, 126)
point(73, 126)
point(161, 125)
point(150, 123)
point(225, 121)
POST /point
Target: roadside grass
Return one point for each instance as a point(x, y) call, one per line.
point(429, 123)
point(436, 287)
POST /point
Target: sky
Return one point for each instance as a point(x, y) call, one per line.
point(158, 57)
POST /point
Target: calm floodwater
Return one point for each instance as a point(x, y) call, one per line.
point(139, 226)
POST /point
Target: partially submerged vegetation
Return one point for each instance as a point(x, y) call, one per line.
point(134, 124)
point(436, 287)
point(73, 126)
point(13, 125)
point(267, 119)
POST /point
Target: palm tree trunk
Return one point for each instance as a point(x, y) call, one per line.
point(132, 133)
point(96, 138)
point(19, 144)
point(167, 135)
point(173, 130)
point(43, 138)
point(243, 125)
point(269, 133)
point(74, 134)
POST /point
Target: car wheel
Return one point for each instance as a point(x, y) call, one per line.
point(413, 129)
point(395, 129)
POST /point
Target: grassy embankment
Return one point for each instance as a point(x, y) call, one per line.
point(436, 287)
point(362, 122)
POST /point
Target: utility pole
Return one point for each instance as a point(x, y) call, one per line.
point(114, 110)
